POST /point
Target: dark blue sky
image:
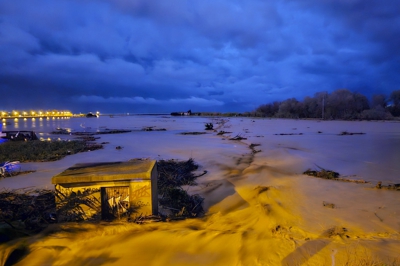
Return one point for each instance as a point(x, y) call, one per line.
point(205, 55)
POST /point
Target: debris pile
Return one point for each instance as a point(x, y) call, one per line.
point(222, 132)
point(345, 133)
point(153, 129)
point(253, 146)
point(172, 176)
point(332, 175)
point(193, 133)
point(209, 126)
point(326, 174)
point(237, 137)
point(288, 134)
point(33, 209)
point(328, 205)
point(390, 186)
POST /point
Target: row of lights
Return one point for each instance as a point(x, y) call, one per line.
point(35, 113)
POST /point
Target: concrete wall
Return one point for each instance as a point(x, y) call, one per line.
point(84, 201)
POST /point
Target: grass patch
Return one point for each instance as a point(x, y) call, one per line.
point(42, 151)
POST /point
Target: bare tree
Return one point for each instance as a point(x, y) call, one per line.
point(379, 100)
point(395, 99)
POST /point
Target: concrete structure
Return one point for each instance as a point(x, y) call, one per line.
point(110, 190)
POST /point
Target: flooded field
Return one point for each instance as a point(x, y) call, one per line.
point(260, 207)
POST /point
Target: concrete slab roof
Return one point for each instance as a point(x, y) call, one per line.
point(106, 171)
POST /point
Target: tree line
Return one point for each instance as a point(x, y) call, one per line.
point(340, 104)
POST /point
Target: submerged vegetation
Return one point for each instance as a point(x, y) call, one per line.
point(326, 174)
point(41, 151)
point(172, 176)
point(332, 175)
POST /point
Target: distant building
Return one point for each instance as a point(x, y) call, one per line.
point(182, 113)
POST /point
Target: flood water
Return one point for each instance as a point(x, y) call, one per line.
point(373, 156)
point(260, 208)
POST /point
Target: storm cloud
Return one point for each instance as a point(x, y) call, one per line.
point(162, 56)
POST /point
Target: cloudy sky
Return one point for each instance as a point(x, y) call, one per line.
point(206, 55)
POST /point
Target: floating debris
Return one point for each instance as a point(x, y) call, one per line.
point(193, 133)
point(390, 186)
point(288, 134)
point(336, 231)
point(332, 175)
point(323, 173)
point(172, 175)
point(328, 205)
point(380, 219)
point(153, 129)
point(147, 219)
point(223, 132)
point(253, 149)
point(209, 126)
point(345, 133)
point(113, 131)
point(237, 137)
point(87, 138)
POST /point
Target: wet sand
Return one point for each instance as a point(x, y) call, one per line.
point(261, 209)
